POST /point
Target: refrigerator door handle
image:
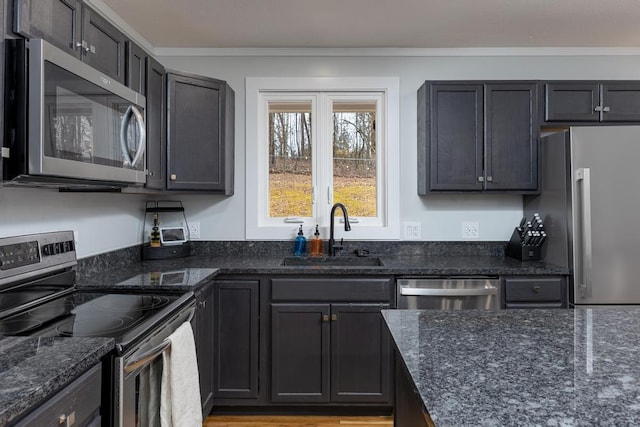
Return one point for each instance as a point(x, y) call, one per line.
point(584, 281)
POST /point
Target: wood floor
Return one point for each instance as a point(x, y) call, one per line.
point(296, 421)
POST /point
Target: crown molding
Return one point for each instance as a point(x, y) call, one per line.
point(402, 52)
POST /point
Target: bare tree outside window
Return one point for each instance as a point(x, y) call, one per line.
point(290, 158)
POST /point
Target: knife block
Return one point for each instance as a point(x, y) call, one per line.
point(515, 249)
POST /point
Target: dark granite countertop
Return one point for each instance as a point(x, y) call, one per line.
point(523, 367)
point(194, 270)
point(32, 369)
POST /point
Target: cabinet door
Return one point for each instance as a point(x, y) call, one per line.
point(198, 143)
point(621, 102)
point(360, 354)
point(156, 124)
point(456, 137)
point(56, 21)
point(572, 102)
point(236, 339)
point(104, 44)
point(204, 324)
point(511, 143)
point(300, 353)
point(136, 68)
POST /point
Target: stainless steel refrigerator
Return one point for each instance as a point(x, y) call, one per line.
point(590, 205)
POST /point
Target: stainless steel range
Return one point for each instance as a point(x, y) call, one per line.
point(38, 297)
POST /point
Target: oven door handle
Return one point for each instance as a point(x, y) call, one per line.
point(150, 355)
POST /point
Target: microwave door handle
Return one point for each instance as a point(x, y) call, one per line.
point(142, 135)
point(133, 112)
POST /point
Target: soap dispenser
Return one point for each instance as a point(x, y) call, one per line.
point(316, 243)
point(300, 244)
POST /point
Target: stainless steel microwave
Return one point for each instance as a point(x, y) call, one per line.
point(67, 124)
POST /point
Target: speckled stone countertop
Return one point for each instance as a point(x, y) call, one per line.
point(32, 369)
point(523, 367)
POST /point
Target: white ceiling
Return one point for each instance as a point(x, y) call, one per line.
point(383, 23)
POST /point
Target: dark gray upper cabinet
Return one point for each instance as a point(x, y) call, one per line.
point(155, 80)
point(477, 136)
point(136, 67)
point(454, 129)
point(591, 101)
point(200, 129)
point(57, 21)
point(104, 45)
point(511, 137)
point(75, 28)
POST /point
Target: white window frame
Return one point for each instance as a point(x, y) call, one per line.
point(258, 225)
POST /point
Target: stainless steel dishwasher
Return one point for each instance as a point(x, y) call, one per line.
point(450, 293)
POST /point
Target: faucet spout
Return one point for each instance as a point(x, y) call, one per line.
point(347, 227)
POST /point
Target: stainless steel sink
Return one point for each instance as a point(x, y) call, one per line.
point(339, 261)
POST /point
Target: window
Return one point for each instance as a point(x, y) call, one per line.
point(317, 141)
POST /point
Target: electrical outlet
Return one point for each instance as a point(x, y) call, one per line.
point(412, 230)
point(194, 230)
point(470, 230)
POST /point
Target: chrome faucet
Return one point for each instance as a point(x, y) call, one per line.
point(347, 227)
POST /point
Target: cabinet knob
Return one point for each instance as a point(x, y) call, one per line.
point(334, 317)
point(606, 109)
point(325, 317)
point(489, 178)
point(67, 420)
point(173, 177)
point(481, 179)
point(597, 108)
point(536, 289)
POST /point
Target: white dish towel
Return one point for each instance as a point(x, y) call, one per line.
point(180, 391)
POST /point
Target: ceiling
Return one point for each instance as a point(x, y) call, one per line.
point(383, 23)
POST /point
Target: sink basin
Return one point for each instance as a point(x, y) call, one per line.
point(346, 261)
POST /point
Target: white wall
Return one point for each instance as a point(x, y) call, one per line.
point(110, 221)
point(440, 215)
point(102, 221)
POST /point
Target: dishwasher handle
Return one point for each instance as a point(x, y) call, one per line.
point(443, 292)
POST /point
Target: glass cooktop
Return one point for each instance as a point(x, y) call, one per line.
point(89, 314)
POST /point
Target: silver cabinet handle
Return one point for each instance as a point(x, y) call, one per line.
point(133, 112)
point(405, 290)
point(583, 175)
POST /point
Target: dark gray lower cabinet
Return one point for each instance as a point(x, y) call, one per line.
point(300, 353)
point(534, 292)
point(360, 354)
point(76, 404)
point(324, 353)
point(204, 325)
point(236, 358)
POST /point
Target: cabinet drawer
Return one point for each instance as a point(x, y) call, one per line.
point(331, 289)
point(533, 289)
point(80, 400)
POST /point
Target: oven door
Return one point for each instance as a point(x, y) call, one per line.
point(136, 399)
point(81, 123)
